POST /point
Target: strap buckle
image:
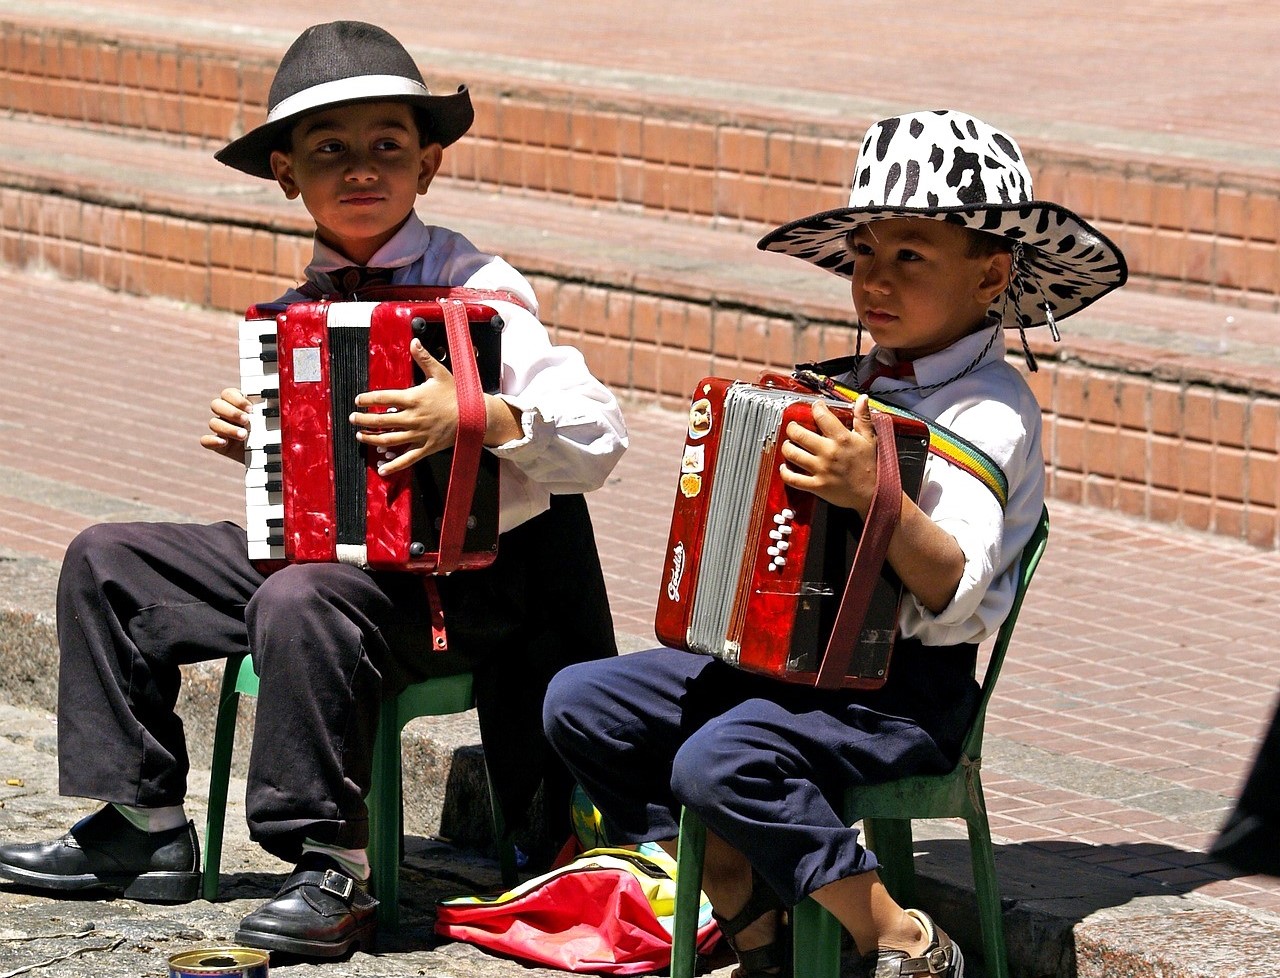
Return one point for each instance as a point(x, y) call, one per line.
point(336, 883)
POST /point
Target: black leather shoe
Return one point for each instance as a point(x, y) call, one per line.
point(105, 851)
point(320, 912)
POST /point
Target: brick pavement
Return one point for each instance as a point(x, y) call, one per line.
point(1141, 678)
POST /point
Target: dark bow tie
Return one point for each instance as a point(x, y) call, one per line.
point(351, 280)
point(902, 370)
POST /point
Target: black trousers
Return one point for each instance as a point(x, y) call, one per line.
point(1250, 838)
point(329, 642)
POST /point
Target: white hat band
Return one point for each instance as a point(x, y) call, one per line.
point(344, 90)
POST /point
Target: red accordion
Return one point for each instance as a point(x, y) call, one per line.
point(772, 579)
point(312, 491)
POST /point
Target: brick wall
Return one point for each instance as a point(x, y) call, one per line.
point(1187, 229)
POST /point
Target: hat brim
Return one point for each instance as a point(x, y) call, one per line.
point(1071, 264)
point(450, 116)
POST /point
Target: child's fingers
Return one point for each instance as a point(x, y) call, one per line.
point(235, 397)
point(228, 431)
point(397, 461)
point(369, 421)
point(862, 417)
point(429, 364)
point(798, 458)
point(826, 420)
point(806, 438)
point(230, 408)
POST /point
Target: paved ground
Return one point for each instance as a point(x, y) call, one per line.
point(1141, 678)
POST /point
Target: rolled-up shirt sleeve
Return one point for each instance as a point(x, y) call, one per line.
point(990, 537)
point(573, 429)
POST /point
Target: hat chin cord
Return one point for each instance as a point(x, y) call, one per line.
point(1015, 291)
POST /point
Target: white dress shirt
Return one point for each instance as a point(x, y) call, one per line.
point(574, 432)
point(992, 407)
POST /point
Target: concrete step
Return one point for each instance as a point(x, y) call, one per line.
point(1193, 220)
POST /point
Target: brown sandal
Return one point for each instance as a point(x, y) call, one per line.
point(941, 959)
point(772, 960)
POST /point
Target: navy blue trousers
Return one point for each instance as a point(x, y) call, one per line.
point(763, 762)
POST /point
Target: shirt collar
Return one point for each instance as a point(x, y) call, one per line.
point(405, 247)
point(936, 368)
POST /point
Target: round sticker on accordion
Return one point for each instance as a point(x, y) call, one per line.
point(690, 484)
point(699, 418)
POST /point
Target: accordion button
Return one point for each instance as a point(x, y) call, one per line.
point(788, 514)
point(772, 551)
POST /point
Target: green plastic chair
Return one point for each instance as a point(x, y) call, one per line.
point(433, 697)
point(886, 811)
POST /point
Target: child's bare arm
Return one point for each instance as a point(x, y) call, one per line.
point(838, 464)
point(229, 426)
point(408, 425)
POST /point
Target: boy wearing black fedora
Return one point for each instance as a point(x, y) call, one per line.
point(945, 248)
point(353, 131)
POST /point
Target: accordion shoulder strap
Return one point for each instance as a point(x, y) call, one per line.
point(943, 442)
point(882, 519)
point(469, 442)
point(409, 293)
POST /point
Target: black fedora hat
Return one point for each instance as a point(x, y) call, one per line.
point(336, 64)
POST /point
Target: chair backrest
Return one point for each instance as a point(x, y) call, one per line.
point(1030, 559)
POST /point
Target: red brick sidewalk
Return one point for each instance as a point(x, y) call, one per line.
point(1138, 685)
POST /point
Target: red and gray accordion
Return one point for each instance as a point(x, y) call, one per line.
point(312, 491)
point(771, 579)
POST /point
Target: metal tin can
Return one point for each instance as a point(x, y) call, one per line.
point(225, 962)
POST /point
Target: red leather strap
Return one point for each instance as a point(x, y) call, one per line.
point(426, 293)
point(882, 519)
point(469, 442)
point(439, 639)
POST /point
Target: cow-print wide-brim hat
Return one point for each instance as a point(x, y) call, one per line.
point(952, 167)
point(340, 63)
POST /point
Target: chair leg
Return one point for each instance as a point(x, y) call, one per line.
point(224, 735)
point(690, 852)
point(815, 941)
point(383, 803)
point(987, 888)
point(890, 840)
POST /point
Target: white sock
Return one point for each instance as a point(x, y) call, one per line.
point(154, 819)
point(353, 861)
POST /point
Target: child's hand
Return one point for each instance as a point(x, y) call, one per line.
point(834, 463)
point(416, 422)
point(229, 426)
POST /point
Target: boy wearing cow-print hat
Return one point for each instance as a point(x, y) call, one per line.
point(945, 248)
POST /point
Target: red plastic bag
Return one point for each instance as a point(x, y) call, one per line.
point(603, 913)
